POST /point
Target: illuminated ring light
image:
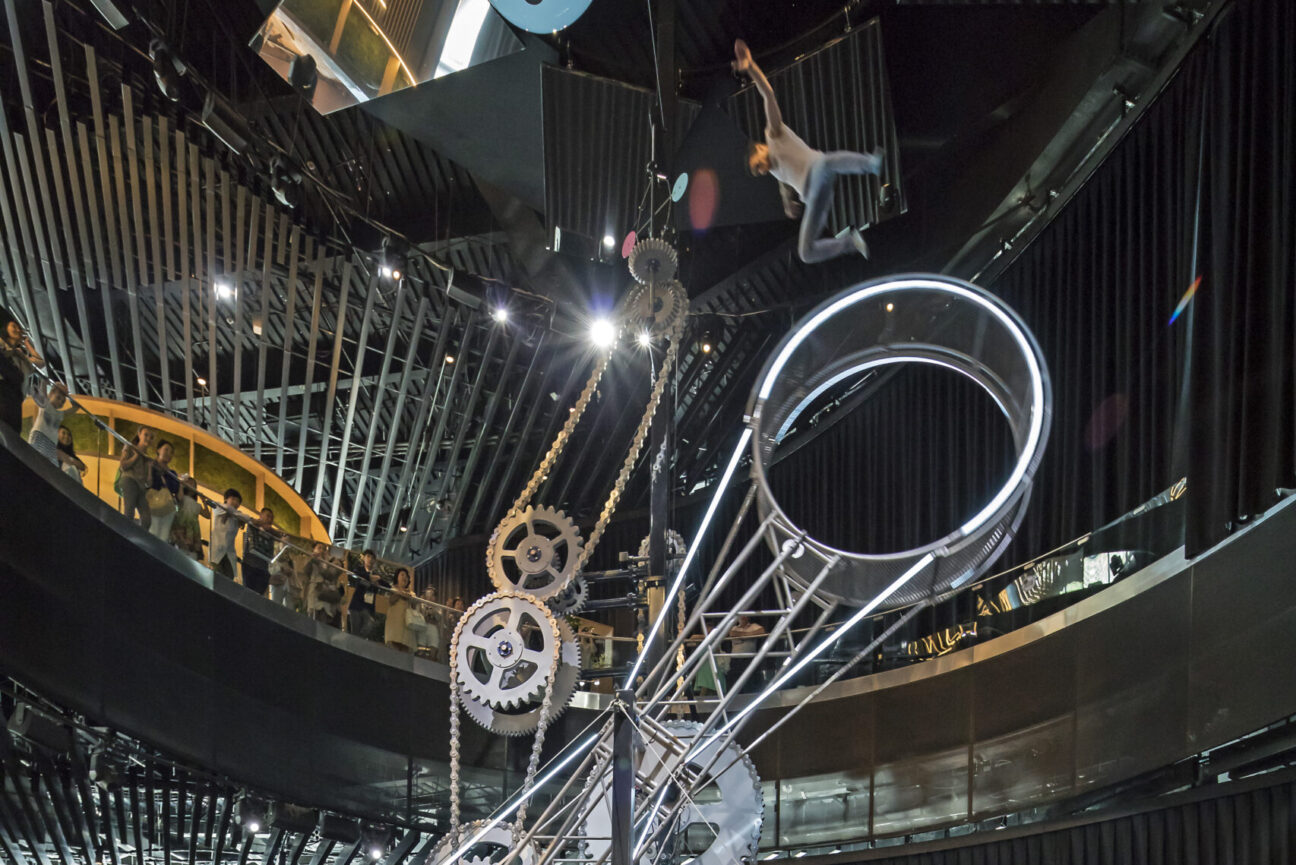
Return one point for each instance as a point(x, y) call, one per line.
point(542, 16)
point(913, 318)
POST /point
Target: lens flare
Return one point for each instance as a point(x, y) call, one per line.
point(703, 199)
point(1183, 301)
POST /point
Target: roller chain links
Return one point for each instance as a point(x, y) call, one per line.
point(675, 321)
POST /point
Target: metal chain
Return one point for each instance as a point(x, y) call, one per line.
point(627, 467)
point(564, 435)
point(546, 705)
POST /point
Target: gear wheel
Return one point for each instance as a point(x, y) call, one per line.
point(659, 306)
point(570, 600)
point(526, 720)
point(491, 847)
point(535, 551)
point(653, 260)
point(504, 649)
point(675, 544)
point(727, 808)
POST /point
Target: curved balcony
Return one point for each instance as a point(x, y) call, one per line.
point(1179, 657)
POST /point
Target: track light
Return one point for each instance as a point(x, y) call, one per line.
point(225, 122)
point(101, 770)
point(392, 260)
point(167, 69)
point(706, 344)
point(500, 314)
point(602, 333)
point(302, 75)
point(251, 814)
point(293, 818)
point(285, 182)
point(374, 840)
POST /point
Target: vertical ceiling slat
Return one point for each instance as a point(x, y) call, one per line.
point(327, 426)
point(349, 425)
point(208, 289)
point(240, 262)
point(375, 418)
point(78, 292)
point(110, 231)
point(426, 404)
point(186, 268)
point(157, 275)
point(289, 334)
point(171, 278)
point(18, 255)
point(312, 342)
point(132, 288)
point(136, 271)
point(263, 310)
point(420, 315)
point(46, 254)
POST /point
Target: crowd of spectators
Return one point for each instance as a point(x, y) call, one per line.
point(366, 597)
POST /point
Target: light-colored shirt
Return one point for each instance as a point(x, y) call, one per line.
point(225, 528)
point(792, 159)
point(48, 419)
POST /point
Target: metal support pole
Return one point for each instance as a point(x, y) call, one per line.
point(623, 778)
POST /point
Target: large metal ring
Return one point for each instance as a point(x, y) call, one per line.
point(918, 318)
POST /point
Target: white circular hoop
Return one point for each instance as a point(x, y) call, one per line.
point(917, 318)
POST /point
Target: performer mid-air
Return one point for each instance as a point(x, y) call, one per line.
point(802, 170)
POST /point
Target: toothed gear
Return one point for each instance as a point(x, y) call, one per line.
point(736, 814)
point(570, 600)
point(491, 848)
point(535, 551)
point(657, 307)
point(504, 650)
point(675, 545)
point(526, 720)
point(653, 260)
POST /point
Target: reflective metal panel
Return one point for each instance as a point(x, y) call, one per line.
point(363, 49)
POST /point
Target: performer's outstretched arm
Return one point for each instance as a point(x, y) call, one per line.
point(743, 62)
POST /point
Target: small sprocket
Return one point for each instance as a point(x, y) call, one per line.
point(653, 260)
point(656, 308)
point(535, 551)
point(570, 600)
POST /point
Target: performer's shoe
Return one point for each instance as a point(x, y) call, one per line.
point(857, 240)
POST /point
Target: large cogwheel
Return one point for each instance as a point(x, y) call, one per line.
point(504, 651)
point(534, 551)
point(492, 847)
point(720, 825)
point(656, 308)
point(519, 722)
point(653, 260)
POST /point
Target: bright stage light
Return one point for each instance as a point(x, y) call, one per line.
point(602, 333)
point(644, 339)
point(500, 314)
point(609, 241)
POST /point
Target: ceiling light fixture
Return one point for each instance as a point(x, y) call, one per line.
point(602, 333)
point(500, 314)
point(644, 339)
point(449, 358)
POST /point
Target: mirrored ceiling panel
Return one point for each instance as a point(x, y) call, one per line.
point(363, 49)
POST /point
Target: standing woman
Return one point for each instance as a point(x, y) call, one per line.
point(18, 359)
point(50, 409)
point(164, 493)
point(397, 634)
point(137, 477)
point(186, 534)
point(72, 465)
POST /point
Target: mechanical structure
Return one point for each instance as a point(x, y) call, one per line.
point(696, 795)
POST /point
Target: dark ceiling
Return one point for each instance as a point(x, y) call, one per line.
point(341, 380)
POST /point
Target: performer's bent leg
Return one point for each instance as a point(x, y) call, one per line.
point(811, 248)
point(849, 162)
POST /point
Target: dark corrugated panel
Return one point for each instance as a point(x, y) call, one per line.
point(597, 146)
point(839, 98)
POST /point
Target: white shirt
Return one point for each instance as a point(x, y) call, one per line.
point(792, 159)
point(48, 419)
point(225, 528)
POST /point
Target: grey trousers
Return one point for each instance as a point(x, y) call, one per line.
point(134, 498)
point(812, 248)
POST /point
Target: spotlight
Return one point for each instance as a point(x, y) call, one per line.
point(302, 75)
point(224, 290)
point(251, 814)
point(226, 122)
point(404, 528)
point(602, 333)
point(644, 339)
point(890, 307)
point(609, 241)
point(293, 818)
point(202, 382)
point(384, 271)
point(449, 358)
point(167, 70)
point(335, 828)
point(500, 314)
point(706, 346)
point(102, 771)
point(374, 841)
point(285, 182)
point(392, 263)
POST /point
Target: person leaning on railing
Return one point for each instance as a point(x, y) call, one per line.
point(225, 526)
point(324, 586)
point(18, 360)
point(135, 477)
point(163, 497)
